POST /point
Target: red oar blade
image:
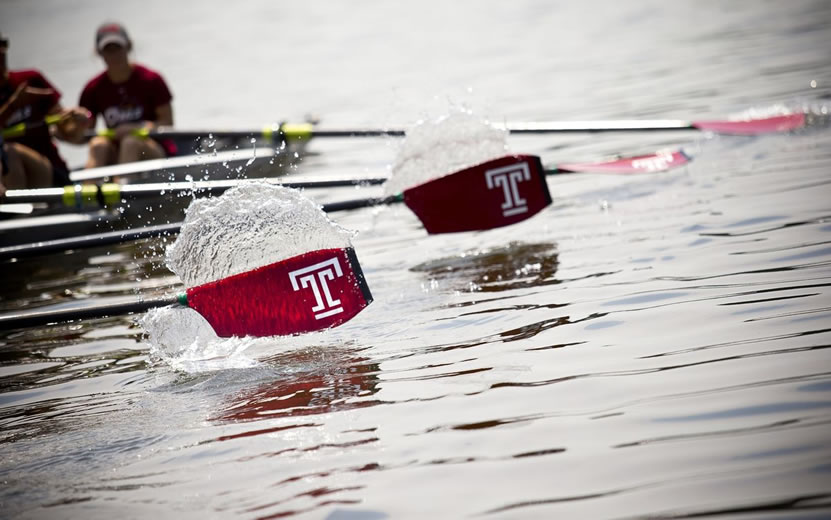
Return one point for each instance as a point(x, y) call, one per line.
point(305, 293)
point(656, 162)
point(492, 194)
point(784, 123)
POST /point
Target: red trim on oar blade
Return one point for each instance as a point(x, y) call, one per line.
point(492, 194)
point(767, 125)
point(305, 293)
point(656, 162)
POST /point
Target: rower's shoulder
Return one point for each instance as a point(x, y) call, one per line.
point(145, 72)
point(96, 80)
point(20, 75)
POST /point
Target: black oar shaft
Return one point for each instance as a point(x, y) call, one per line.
point(194, 134)
point(36, 319)
point(552, 127)
point(519, 129)
point(100, 239)
point(357, 132)
point(277, 135)
point(345, 205)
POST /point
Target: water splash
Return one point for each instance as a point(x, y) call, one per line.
point(817, 113)
point(182, 339)
point(449, 143)
point(249, 226)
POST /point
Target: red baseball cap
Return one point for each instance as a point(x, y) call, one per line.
point(111, 33)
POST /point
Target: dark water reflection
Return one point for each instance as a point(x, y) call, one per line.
point(312, 391)
point(514, 266)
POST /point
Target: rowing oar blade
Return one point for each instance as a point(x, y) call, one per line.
point(657, 162)
point(492, 194)
point(783, 123)
point(306, 293)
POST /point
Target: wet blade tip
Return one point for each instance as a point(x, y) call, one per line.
point(783, 123)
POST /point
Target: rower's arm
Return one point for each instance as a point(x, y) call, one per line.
point(164, 115)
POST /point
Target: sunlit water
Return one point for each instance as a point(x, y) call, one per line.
point(649, 345)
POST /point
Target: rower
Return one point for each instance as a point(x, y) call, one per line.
point(131, 98)
point(31, 159)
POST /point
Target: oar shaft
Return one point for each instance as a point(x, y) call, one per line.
point(201, 188)
point(272, 133)
point(552, 127)
point(632, 125)
point(772, 124)
point(35, 319)
point(21, 129)
point(230, 160)
point(110, 194)
point(47, 195)
point(73, 196)
point(190, 134)
point(96, 240)
point(345, 205)
point(357, 132)
point(308, 132)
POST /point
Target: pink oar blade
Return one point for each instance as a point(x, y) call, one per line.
point(496, 193)
point(656, 162)
point(784, 123)
point(306, 293)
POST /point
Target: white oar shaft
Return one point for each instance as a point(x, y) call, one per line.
point(197, 162)
point(110, 194)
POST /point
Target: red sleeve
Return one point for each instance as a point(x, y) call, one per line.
point(88, 100)
point(35, 79)
point(56, 97)
point(161, 94)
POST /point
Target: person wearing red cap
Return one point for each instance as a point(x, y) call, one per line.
point(129, 97)
point(31, 159)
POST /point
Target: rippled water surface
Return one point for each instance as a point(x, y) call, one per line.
point(647, 346)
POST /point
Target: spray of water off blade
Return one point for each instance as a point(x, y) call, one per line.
point(249, 226)
point(244, 231)
point(449, 143)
